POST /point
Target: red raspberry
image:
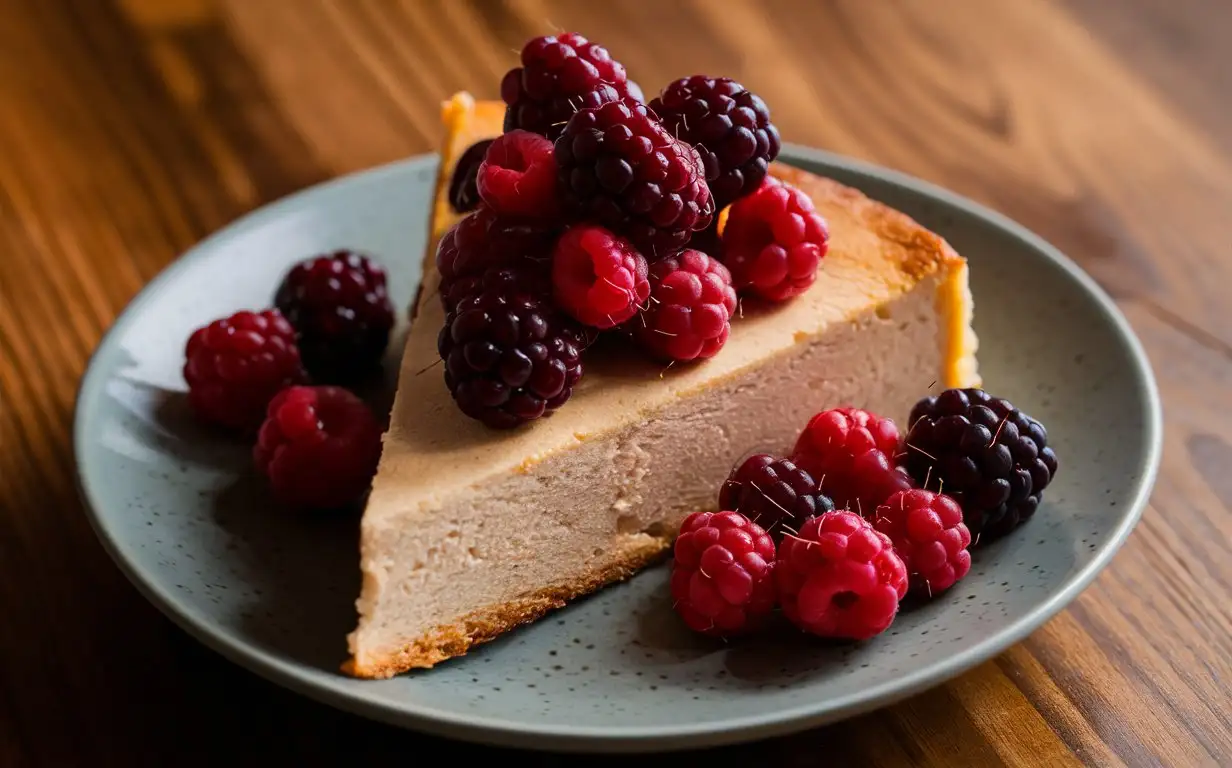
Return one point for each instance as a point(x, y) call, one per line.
point(340, 309)
point(851, 453)
point(730, 127)
point(597, 277)
point(234, 366)
point(840, 578)
point(319, 446)
point(485, 241)
point(621, 168)
point(560, 74)
point(723, 573)
point(774, 493)
point(518, 176)
point(928, 533)
point(774, 241)
point(691, 304)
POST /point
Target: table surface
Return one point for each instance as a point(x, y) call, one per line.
point(130, 129)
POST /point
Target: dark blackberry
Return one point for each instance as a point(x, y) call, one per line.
point(463, 185)
point(560, 75)
point(728, 125)
point(774, 493)
point(340, 309)
point(620, 168)
point(484, 241)
point(992, 458)
point(509, 357)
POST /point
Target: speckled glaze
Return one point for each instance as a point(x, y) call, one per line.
point(181, 514)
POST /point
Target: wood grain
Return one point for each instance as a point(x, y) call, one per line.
point(130, 129)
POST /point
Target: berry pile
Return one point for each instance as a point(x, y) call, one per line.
point(602, 210)
point(838, 534)
point(275, 375)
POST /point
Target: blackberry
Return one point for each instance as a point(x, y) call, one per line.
point(509, 357)
point(990, 457)
point(774, 493)
point(485, 241)
point(464, 184)
point(620, 168)
point(560, 75)
point(340, 309)
point(728, 125)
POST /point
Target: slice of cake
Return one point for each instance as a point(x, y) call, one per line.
point(470, 532)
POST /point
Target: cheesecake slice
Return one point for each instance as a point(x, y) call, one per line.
point(470, 532)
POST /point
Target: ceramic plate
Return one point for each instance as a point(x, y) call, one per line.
point(182, 515)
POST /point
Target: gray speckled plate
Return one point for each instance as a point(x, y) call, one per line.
point(182, 516)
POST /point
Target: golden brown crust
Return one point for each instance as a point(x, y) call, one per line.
point(456, 638)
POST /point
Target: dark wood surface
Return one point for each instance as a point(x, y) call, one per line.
point(130, 129)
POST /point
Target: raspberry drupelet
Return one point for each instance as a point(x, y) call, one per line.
point(689, 313)
point(319, 447)
point(723, 573)
point(597, 277)
point(839, 578)
point(728, 125)
point(620, 168)
point(774, 493)
point(774, 241)
point(851, 453)
point(928, 533)
point(340, 309)
point(561, 74)
point(235, 365)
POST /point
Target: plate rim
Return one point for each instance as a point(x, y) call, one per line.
point(315, 683)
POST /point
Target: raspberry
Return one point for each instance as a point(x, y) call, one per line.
point(992, 458)
point(774, 241)
point(597, 277)
point(774, 493)
point(691, 304)
point(728, 125)
point(509, 357)
point(723, 573)
point(840, 578)
point(484, 241)
point(319, 446)
point(341, 313)
point(927, 531)
point(234, 366)
point(518, 176)
point(559, 75)
point(850, 451)
point(464, 183)
point(619, 167)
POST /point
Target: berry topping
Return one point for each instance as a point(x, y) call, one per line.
point(509, 357)
point(319, 446)
point(484, 241)
point(341, 313)
point(518, 176)
point(723, 573)
point(774, 241)
point(840, 578)
point(991, 457)
point(850, 451)
point(234, 366)
point(619, 167)
point(690, 309)
point(728, 125)
point(463, 184)
point(927, 531)
point(597, 277)
point(774, 493)
point(560, 74)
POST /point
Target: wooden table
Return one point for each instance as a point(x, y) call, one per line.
point(130, 129)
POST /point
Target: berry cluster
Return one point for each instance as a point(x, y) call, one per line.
point(839, 533)
point(250, 374)
point(597, 212)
